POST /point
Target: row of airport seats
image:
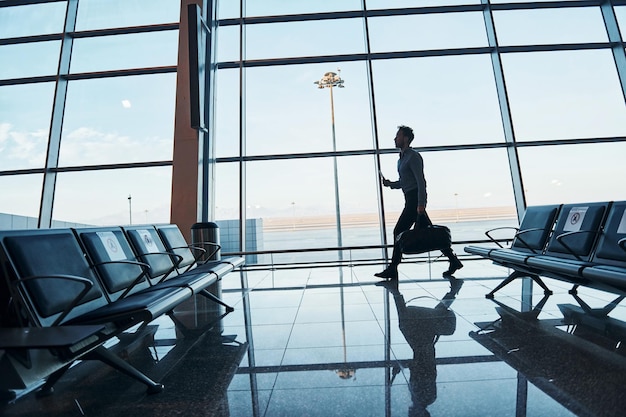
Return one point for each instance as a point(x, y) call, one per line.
point(65, 293)
point(583, 244)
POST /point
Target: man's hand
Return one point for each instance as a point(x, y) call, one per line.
point(386, 182)
point(421, 209)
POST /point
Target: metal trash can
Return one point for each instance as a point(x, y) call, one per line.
point(207, 235)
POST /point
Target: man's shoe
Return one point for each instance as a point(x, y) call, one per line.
point(455, 265)
point(389, 273)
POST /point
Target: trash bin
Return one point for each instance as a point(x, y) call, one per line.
point(206, 235)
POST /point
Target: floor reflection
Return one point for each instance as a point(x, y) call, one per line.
point(341, 345)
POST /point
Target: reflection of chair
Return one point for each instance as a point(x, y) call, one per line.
point(422, 327)
point(582, 377)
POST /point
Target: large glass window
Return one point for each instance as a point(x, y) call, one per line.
point(287, 113)
point(29, 59)
point(120, 119)
point(462, 186)
point(114, 197)
point(427, 31)
point(398, 4)
point(21, 194)
point(33, 19)
point(446, 100)
point(24, 125)
point(279, 7)
point(125, 51)
point(549, 26)
point(573, 173)
point(103, 14)
point(323, 37)
point(564, 95)
point(226, 113)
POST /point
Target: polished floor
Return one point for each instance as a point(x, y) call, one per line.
point(330, 342)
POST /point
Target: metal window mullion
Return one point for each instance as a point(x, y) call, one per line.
point(56, 122)
point(617, 45)
point(242, 129)
point(372, 100)
point(505, 111)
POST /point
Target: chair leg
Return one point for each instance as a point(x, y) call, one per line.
point(518, 274)
point(212, 297)
point(121, 365)
point(510, 278)
point(538, 280)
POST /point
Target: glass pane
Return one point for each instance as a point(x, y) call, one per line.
point(34, 19)
point(226, 110)
point(228, 9)
point(289, 114)
point(446, 100)
point(281, 7)
point(553, 174)
point(121, 119)
point(467, 204)
point(102, 14)
point(523, 1)
point(25, 125)
point(301, 202)
point(227, 214)
point(564, 95)
point(101, 198)
point(398, 4)
point(227, 191)
point(228, 43)
point(25, 192)
point(294, 39)
point(550, 26)
point(427, 31)
point(358, 186)
point(620, 14)
point(139, 50)
point(29, 59)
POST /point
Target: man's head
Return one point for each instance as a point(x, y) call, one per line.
point(404, 137)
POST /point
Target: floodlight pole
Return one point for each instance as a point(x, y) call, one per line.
point(130, 210)
point(330, 80)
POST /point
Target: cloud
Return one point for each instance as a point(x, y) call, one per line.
point(22, 149)
point(85, 145)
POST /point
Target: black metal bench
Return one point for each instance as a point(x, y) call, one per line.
point(585, 246)
point(73, 279)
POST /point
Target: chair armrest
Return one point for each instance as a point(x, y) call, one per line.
point(560, 238)
point(174, 266)
point(622, 243)
point(196, 257)
point(145, 268)
point(87, 283)
point(521, 232)
point(217, 247)
point(488, 233)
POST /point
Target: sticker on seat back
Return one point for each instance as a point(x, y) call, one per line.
point(111, 245)
point(575, 219)
point(148, 241)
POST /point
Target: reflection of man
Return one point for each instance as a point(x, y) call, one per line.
point(421, 327)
